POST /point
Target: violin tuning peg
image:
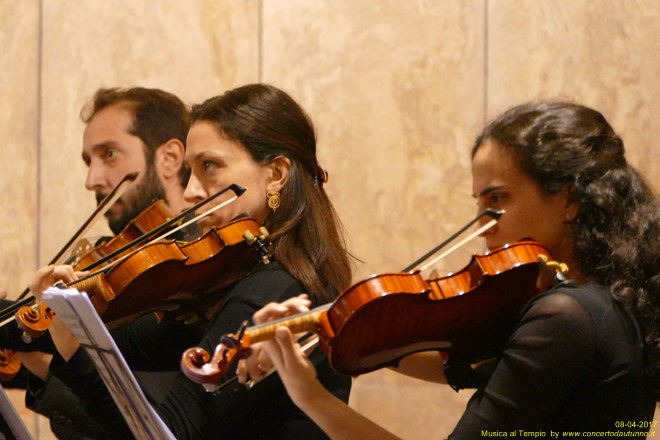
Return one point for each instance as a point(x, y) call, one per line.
point(212, 388)
point(228, 341)
point(264, 233)
point(241, 330)
point(26, 338)
point(249, 237)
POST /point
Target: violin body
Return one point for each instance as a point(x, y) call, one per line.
point(152, 217)
point(470, 314)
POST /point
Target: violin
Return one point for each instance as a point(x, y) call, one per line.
point(380, 320)
point(9, 364)
point(176, 279)
point(35, 319)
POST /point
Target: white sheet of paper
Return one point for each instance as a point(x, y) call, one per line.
point(78, 312)
point(14, 421)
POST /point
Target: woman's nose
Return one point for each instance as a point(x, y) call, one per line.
point(194, 191)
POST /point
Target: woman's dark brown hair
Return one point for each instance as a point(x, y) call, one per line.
point(305, 230)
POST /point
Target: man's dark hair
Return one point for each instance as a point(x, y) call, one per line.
point(158, 116)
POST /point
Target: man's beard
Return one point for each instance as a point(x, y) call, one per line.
point(136, 200)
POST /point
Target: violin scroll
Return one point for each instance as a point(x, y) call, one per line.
point(198, 366)
point(34, 320)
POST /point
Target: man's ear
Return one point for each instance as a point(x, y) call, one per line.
point(279, 173)
point(168, 159)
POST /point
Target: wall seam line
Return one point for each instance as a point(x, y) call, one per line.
point(39, 164)
point(260, 42)
point(39, 120)
point(486, 62)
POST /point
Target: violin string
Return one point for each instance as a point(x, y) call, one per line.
point(308, 341)
point(194, 219)
point(100, 210)
point(288, 318)
point(472, 236)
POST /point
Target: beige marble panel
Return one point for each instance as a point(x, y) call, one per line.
point(19, 107)
point(396, 92)
point(195, 49)
point(599, 53)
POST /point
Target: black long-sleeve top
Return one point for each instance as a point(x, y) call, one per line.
point(573, 364)
point(265, 411)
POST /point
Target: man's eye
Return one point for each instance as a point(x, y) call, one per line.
point(208, 165)
point(110, 153)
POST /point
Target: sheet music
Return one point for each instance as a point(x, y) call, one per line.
point(77, 311)
point(12, 419)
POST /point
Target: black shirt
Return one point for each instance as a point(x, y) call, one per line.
point(265, 411)
point(574, 363)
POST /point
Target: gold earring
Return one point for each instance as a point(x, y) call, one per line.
point(273, 200)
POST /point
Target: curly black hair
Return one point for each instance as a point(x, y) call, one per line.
point(566, 145)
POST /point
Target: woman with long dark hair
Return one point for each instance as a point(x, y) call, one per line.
point(258, 137)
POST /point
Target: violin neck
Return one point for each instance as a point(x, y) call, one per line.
point(299, 323)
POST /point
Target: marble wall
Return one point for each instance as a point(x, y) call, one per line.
point(397, 91)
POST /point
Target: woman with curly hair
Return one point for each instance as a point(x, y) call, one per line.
point(585, 355)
